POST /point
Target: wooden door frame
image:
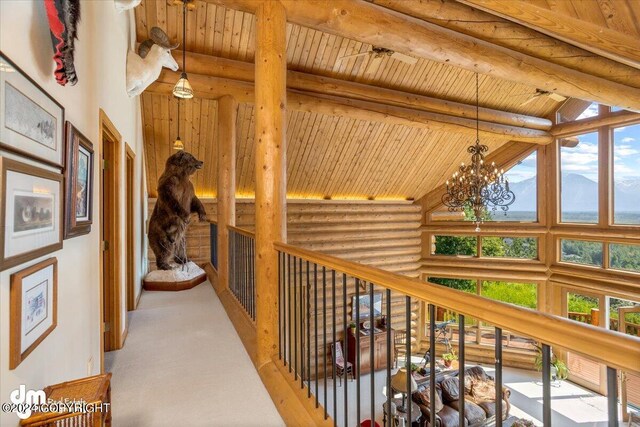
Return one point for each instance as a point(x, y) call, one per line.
point(110, 141)
point(130, 257)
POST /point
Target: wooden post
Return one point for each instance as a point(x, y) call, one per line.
point(270, 155)
point(226, 135)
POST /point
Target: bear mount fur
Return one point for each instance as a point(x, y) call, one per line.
point(172, 212)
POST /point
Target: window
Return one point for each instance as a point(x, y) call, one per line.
point(510, 247)
point(577, 109)
point(626, 175)
point(624, 257)
point(631, 311)
point(456, 245)
point(581, 252)
point(523, 182)
point(459, 284)
point(579, 179)
point(521, 294)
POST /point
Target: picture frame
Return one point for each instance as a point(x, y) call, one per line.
point(363, 310)
point(78, 178)
point(31, 120)
point(31, 214)
point(33, 308)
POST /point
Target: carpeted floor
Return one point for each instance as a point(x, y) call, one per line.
point(184, 365)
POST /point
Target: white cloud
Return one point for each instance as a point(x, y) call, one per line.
point(628, 139)
point(591, 111)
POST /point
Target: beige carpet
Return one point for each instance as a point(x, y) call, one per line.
point(184, 365)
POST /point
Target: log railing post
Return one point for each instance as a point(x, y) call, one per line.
point(226, 140)
point(270, 155)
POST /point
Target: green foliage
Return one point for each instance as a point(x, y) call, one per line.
point(521, 294)
point(624, 257)
point(459, 284)
point(510, 247)
point(456, 245)
point(449, 356)
point(581, 252)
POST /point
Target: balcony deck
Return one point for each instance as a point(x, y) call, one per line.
point(184, 364)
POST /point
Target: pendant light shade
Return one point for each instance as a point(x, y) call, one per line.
point(183, 89)
point(178, 144)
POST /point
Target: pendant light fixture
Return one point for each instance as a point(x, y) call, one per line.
point(178, 144)
point(478, 186)
point(183, 89)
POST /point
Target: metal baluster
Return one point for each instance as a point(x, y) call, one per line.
point(279, 305)
point(324, 329)
point(612, 396)
point(432, 364)
point(346, 348)
point(315, 315)
point(308, 333)
point(289, 306)
point(498, 377)
point(408, 359)
point(295, 318)
point(357, 367)
point(461, 356)
point(301, 327)
point(546, 385)
point(389, 350)
point(333, 346)
point(372, 356)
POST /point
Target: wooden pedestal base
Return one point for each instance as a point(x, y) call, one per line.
point(152, 284)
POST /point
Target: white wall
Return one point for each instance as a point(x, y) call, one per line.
point(73, 350)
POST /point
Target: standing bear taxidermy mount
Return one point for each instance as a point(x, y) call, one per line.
point(153, 54)
point(171, 215)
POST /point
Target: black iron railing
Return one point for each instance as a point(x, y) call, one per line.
point(242, 268)
point(322, 349)
point(213, 240)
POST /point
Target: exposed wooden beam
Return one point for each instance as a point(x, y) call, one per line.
point(502, 32)
point(369, 23)
point(506, 157)
point(585, 125)
point(600, 40)
point(215, 87)
point(237, 70)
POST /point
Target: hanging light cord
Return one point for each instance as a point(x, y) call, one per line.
point(178, 118)
point(184, 35)
point(477, 110)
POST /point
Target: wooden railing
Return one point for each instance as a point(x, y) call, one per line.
point(313, 299)
point(213, 239)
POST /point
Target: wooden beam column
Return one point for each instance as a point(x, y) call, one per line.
point(270, 155)
point(226, 136)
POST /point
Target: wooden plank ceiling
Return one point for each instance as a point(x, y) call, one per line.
point(326, 155)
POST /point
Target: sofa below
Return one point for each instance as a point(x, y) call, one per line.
point(479, 408)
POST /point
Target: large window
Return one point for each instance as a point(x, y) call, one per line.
point(456, 245)
point(510, 247)
point(579, 179)
point(521, 294)
point(626, 175)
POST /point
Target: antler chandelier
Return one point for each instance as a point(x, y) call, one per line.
point(478, 186)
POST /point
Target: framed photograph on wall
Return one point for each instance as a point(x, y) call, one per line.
point(30, 212)
point(33, 311)
point(364, 308)
point(78, 177)
point(31, 121)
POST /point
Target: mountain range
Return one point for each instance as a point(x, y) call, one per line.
point(580, 195)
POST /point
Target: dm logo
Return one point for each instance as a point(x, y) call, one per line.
point(25, 400)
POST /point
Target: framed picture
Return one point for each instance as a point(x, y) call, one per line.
point(78, 178)
point(30, 212)
point(364, 306)
point(33, 308)
point(31, 121)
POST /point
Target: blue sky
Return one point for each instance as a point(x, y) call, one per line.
point(583, 159)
